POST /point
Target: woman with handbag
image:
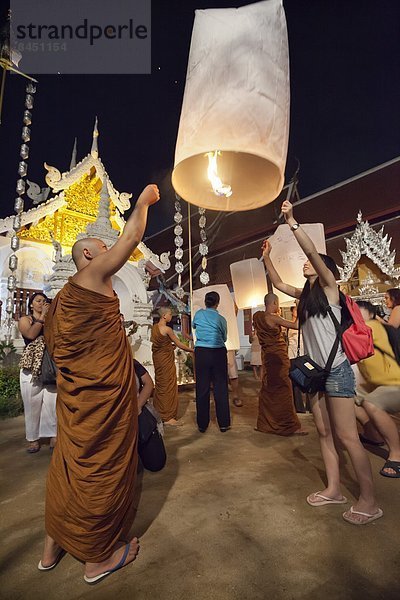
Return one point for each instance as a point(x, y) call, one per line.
point(39, 399)
point(332, 406)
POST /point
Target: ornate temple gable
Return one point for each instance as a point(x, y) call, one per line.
point(75, 208)
point(58, 181)
point(80, 209)
point(373, 244)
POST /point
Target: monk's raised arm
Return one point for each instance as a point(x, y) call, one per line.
point(109, 263)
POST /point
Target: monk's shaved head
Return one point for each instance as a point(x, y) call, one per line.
point(270, 297)
point(78, 254)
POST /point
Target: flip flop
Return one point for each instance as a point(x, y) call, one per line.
point(59, 557)
point(98, 578)
point(369, 519)
point(324, 500)
point(391, 464)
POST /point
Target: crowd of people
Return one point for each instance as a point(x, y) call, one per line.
point(101, 391)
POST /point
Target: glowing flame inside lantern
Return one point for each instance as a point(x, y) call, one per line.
point(220, 189)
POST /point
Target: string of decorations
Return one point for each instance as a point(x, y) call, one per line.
point(178, 230)
point(19, 206)
point(203, 247)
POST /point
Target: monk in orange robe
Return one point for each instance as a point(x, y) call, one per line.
point(166, 387)
point(276, 413)
point(91, 477)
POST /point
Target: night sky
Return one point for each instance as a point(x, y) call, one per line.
point(345, 98)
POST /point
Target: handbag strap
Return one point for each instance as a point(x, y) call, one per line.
point(336, 323)
point(298, 341)
point(332, 354)
point(339, 332)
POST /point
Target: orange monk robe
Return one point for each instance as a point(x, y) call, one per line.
point(276, 412)
point(90, 483)
point(166, 387)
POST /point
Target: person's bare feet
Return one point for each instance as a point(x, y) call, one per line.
point(51, 552)
point(300, 432)
point(322, 499)
point(173, 423)
point(53, 442)
point(95, 569)
point(358, 517)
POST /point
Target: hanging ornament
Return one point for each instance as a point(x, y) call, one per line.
point(178, 230)
point(17, 221)
point(13, 262)
point(24, 152)
point(27, 119)
point(19, 207)
point(203, 247)
point(233, 132)
point(29, 101)
point(22, 168)
point(26, 134)
point(21, 186)
point(204, 277)
point(14, 242)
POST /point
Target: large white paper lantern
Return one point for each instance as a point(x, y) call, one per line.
point(288, 258)
point(226, 308)
point(249, 282)
point(236, 102)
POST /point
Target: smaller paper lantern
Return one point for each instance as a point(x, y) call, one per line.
point(226, 308)
point(249, 283)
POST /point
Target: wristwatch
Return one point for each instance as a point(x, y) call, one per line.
point(294, 226)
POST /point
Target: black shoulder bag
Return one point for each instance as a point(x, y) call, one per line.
point(49, 369)
point(151, 447)
point(306, 374)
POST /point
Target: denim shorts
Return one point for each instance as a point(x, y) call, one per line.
point(341, 382)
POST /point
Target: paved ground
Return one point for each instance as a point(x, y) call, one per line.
point(226, 519)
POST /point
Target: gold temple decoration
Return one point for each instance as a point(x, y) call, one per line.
point(80, 208)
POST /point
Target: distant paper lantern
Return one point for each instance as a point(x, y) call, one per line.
point(226, 308)
point(235, 115)
point(288, 258)
point(249, 283)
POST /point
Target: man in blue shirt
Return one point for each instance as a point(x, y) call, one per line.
point(211, 364)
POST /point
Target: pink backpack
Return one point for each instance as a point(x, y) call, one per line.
point(356, 336)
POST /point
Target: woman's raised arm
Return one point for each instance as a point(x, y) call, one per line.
point(277, 282)
point(327, 279)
